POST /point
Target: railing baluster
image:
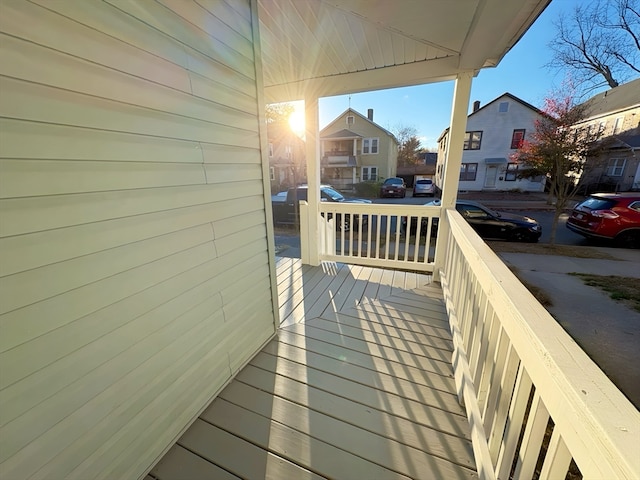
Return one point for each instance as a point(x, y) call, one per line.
point(497, 370)
point(532, 440)
point(507, 383)
point(558, 458)
point(517, 410)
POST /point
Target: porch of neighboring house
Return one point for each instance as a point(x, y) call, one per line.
point(357, 384)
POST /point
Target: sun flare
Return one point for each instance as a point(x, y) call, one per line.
point(296, 120)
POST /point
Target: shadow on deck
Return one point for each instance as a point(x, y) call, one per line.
point(358, 384)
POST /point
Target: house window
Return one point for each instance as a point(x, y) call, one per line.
point(350, 120)
point(503, 107)
point(272, 173)
point(369, 146)
point(468, 172)
point(271, 149)
point(616, 167)
point(369, 173)
point(512, 172)
point(618, 125)
point(287, 151)
point(472, 140)
point(517, 138)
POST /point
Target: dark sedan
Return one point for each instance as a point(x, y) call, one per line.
point(488, 223)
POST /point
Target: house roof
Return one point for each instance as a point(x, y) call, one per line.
point(322, 48)
point(614, 100)
point(629, 141)
point(506, 94)
point(512, 97)
point(353, 112)
point(342, 134)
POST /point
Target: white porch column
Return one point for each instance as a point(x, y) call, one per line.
point(312, 146)
point(355, 147)
point(452, 162)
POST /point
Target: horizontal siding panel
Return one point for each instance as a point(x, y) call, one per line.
point(210, 24)
point(226, 245)
point(218, 173)
point(98, 395)
point(44, 27)
point(206, 43)
point(49, 363)
point(25, 252)
point(29, 322)
point(27, 101)
point(35, 285)
point(25, 60)
point(165, 414)
point(60, 142)
point(134, 264)
point(229, 15)
point(32, 214)
point(28, 178)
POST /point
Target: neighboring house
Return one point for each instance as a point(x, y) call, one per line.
point(426, 167)
point(615, 115)
point(287, 160)
point(494, 133)
point(354, 149)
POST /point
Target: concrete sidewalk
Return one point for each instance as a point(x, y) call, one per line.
point(607, 331)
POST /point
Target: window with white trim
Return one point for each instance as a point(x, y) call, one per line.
point(616, 167)
point(287, 151)
point(272, 173)
point(350, 120)
point(271, 149)
point(503, 107)
point(618, 125)
point(369, 173)
point(369, 146)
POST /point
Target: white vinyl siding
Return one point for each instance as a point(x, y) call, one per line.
point(134, 272)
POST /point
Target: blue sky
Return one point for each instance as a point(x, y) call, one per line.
point(427, 108)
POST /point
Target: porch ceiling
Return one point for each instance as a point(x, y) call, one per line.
point(332, 47)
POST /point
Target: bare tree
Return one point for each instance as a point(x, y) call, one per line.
point(599, 43)
point(410, 148)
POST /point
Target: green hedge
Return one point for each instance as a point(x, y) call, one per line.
point(368, 189)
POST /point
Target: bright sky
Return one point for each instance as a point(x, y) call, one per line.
point(427, 108)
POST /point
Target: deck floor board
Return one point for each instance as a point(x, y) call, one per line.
point(358, 383)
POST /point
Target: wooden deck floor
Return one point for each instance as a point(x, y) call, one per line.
point(358, 385)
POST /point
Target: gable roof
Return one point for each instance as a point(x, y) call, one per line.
point(343, 134)
point(355, 113)
point(614, 100)
point(512, 97)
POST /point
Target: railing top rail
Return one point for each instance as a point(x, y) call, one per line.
point(599, 424)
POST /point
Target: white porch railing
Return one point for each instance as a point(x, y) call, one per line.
point(519, 373)
point(373, 235)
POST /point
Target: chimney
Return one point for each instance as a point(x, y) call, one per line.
point(370, 114)
point(476, 105)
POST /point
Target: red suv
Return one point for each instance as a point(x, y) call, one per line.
point(611, 216)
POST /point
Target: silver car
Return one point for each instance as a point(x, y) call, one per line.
point(423, 186)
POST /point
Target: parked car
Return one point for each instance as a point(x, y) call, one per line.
point(393, 187)
point(609, 216)
point(285, 211)
point(488, 223)
point(424, 186)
